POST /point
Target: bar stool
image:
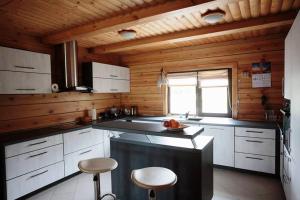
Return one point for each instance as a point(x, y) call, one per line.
point(96, 166)
point(153, 179)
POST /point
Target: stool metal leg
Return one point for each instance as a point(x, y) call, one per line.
point(97, 191)
point(151, 194)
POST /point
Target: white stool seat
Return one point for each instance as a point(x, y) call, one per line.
point(97, 165)
point(154, 178)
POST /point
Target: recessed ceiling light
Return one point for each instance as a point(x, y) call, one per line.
point(127, 34)
point(213, 16)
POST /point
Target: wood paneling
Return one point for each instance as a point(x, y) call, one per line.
point(31, 111)
point(97, 22)
point(145, 69)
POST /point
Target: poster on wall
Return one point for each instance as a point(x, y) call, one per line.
point(261, 74)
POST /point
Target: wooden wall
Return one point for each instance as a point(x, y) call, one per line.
point(152, 100)
point(31, 111)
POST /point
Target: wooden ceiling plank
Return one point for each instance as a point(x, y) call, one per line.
point(286, 5)
point(296, 4)
point(265, 7)
point(283, 19)
point(122, 21)
point(235, 10)
point(276, 6)
point(255, 8)
point(245, 9)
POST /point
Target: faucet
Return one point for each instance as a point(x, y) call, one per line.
point(187, 114)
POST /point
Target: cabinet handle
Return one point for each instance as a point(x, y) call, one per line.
point(85, 152)
point(37, 174)
point(27, 89)
point(17, 66)
point(254, 131)
point(114, 76)
point(113, 89)
point(217, 129)
point(39, 154)
point(84, 132)
point(254, 158)
point(255, 141)
point(33, 144)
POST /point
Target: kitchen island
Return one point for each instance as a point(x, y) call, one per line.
point(144, 144)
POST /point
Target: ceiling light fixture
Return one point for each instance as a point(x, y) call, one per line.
point(213, 16)
point(127, 34)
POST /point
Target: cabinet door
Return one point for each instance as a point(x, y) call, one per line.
point(120, 86)
point(24, 83)
point(80, 139)
point(72, 159)
point(24, 61)
point(110, 85)
point(32, 181)
point(223, 144)
point(124, 73)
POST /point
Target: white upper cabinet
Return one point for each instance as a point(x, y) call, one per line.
point(24, 72)
point(104, 78)
point(110, 71)
point(24, 61)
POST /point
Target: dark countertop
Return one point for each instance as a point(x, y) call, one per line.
point(7, 138)
point(148, 128)
point(218, 121)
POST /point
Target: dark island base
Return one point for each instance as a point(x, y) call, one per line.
point(193, 168)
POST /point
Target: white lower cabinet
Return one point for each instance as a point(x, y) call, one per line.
point(255, 149)
point(72, 159)
point(223, 144)
point(33, 160)
point(255, 162)
point(32, 181)
point(259, 146)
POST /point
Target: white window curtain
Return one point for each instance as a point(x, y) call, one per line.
point(213, 78)
point(182, 79)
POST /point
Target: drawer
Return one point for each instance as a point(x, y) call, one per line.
point(255, 146)
point(24, 61)
point(253, 162)
point(255, 132)
point(32, 181)
point(80, 139)
point(208, 129)
point(28, 83)
point(32, 145)
point(33, 160)
point(71, 160)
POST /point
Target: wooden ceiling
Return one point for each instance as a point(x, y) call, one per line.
point(95, 23)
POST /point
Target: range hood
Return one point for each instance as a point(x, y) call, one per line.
point(67, 63)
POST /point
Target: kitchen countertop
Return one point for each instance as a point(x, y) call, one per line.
point(221, 121)
point(7, 138)
point(149, 129)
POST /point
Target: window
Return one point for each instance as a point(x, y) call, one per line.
point(203, 93)
point(182, 93)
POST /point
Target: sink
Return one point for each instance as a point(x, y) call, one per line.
point(197, 119)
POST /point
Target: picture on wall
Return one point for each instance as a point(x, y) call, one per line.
point(261, 74)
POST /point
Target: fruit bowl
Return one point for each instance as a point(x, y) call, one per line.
point(180, 128)
point(173, 125)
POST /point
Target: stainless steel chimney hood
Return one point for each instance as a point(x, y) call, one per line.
point(70, 51)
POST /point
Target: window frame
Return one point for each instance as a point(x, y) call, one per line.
point(199, 97)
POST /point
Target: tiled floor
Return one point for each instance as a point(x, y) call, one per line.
point(228, 185)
